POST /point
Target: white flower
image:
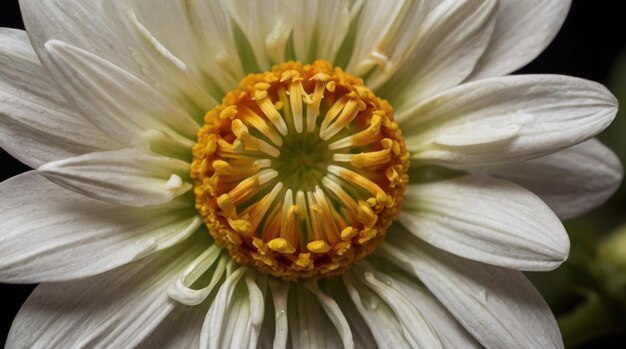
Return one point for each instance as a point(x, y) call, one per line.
point(108, 101)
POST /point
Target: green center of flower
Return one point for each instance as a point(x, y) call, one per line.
point(300, 171)
point(303, 161)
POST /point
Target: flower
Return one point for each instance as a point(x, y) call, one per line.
point(149, 121)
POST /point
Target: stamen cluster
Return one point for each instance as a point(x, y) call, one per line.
point(300, 171)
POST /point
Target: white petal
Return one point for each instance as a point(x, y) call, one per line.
point(309, 326)
point(268, 330)
point(116, 309)
point(235, 317)
point(180, 329)
point(118, 103)
point(320, 28)
point(52, 234)
point(434, 3)
point(280, 293)
point(383, 323)
point(334, 313)
point(386, 35)
point(413, 323)
point(523, 30)
point(507, 119)
point(86, 25)
point(449, 43)
point(486, 219)
point(36, 124)
point(164, 40)
point(449, 331)
point(182, 290)
point(79, 23)
point(361, 333)
point(200, 34)
point(126, 177)
point(572, 182)
point(265, 25)
point(499, 307)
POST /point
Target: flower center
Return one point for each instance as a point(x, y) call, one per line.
point(300, 171)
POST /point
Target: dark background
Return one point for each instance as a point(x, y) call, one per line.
point(591, 40)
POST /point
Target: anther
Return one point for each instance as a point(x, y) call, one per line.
point(318, 246)
point(372, 160)
point(281, 245)
point(349, 112)
point(251, 142)
point(348, 233)
point(228, 112)
point(359, 181)
point(269, 109)
point(333, 112)
point(252, 119)
point(241, 226)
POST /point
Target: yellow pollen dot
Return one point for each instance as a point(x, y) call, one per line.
point(260, 94)
point(281, 245)
point(304, 260)
point(348, 233)
point(318, 246)
point(262, 86)
point(229, 112)
point(343, 247)
point(226, 204)
point(300, 171)
point(241, 226)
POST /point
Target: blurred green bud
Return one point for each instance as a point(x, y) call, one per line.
point(612, 250)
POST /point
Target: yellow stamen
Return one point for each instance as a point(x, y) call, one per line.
point(334, 111)
point(243, 191)
point(344, 199)
point(250, 142)
point(289, 220)
point(257, 211)
point(228, 112)
point(313, 108)
point(349, 112)
point(225, 149)
point(367, 215)
point(241, 226)
point(269, 109)
point(281, 245)
point(367, 235)
point(358, 180)
point(365, 137)
point(304, 261)
point(252, 119)
point(348, 233)
point(319, 246)
point(327, 222)
point(297, 96)
point(372, 160)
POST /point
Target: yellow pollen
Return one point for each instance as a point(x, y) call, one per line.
point(348, 233)
point(281, 245)
point(300, 171)
point(241, 226)
point(318, 246)
point(228, 113)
